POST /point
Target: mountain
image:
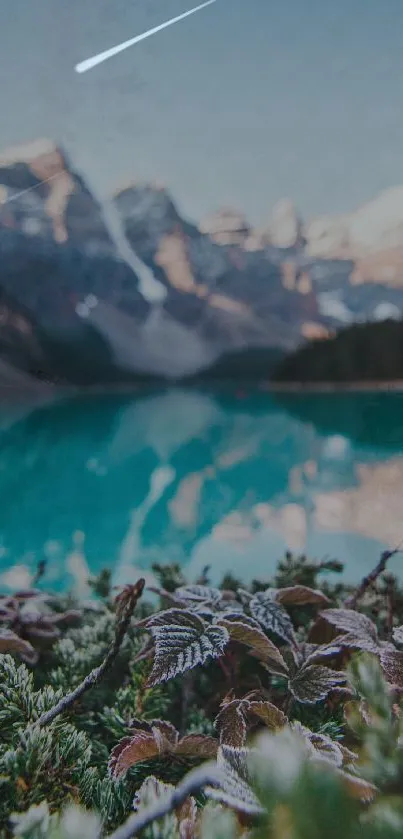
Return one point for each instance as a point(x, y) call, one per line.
point(130, 290)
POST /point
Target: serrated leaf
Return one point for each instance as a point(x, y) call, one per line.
point(257, 641)
point(231, 725)
point(199, 593)
point(313, 683)
point(271, 615)
point(351, 622)
point(244, 596)
point(268, 713)
point(235, 784)
point(12, 643)
point(197, 745)
point(131, 750)
point(392, 666)
point(354, 642)
point(300, 596)
point(319, 746)
point(166, 731)
point(183, 641)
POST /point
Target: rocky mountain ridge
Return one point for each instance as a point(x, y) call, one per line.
point(132, 290)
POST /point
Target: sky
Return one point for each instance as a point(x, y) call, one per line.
point(240, 105)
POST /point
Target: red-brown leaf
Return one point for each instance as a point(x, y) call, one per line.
point(268, 713)
point(131, 750)
point(197, 745)
point(12, 643)
point(261, 647)
point(231, 725)
point(301, 596)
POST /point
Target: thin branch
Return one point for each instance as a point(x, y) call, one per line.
point(197, 779)
point(126, 603)
point(371, 578)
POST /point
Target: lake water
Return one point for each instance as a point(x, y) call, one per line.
point(226, 479)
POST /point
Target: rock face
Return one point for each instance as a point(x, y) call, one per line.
point(132, 290)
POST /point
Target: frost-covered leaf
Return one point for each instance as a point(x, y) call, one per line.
point(356, 642)
point(165, 732)
point(351, 622)
point(183, 641)
point(197, 745)
point(235, 783)
point(300, 596)
point(199, 593)
point(12, 643)
point(230, 615)
point(398, 635)
point(131, 750)
point(158, 739)
point(268, 713)
point(244, 596)
point(232, 610)
point(313, 683)
point(315, 653)
point(271, 615)
point(257, 641)
point(231, 722)
point(231, 725)
point(392, 666)
point(319, 746)
point(327, 749)
point(169, 596)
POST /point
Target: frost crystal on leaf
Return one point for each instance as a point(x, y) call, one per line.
point(235, 784)
point(199, 593)
point(230, 724)
point(183, 641)
point(313, 683)
point(271, 615)
point(352, 622)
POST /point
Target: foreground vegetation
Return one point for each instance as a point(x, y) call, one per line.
point(195, 711)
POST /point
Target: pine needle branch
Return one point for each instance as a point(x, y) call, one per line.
point(126, 603)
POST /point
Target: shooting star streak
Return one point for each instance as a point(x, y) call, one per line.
point(103, 56)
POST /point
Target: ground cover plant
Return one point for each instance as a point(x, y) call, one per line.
point(192, 710)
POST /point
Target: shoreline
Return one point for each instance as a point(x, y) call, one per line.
point(9, 395)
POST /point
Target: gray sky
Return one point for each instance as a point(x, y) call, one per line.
point(242, 104)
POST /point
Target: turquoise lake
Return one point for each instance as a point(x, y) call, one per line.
point(225, 479)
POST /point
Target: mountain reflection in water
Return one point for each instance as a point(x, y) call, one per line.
point(201, 478)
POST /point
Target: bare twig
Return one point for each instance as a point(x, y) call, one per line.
point(40, 572)
point(205, 775)
point(126, 603)
point(371, 578)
